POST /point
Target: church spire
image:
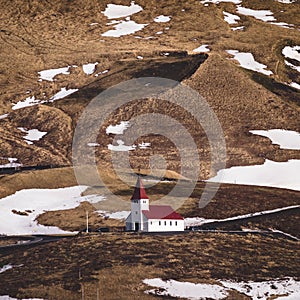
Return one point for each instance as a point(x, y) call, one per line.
point(139, 190)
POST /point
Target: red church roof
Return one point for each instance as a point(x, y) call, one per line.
point(162, 212)
point(139, 190)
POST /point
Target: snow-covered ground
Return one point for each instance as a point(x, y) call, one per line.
point(286, 1)
point(218, 1)
point(3, 116)
point(62, 94)
point(33, 202)
point(273, 174)
point(32, 135)
point(124, 28)
point(121, 146)
point(6, 268)
point(89, 68)
point(292, 53)
point(114, 11)
point(51, 73)
point(286, 139)
point(255, 290)
point(264, 290)
point(202, 48)
point(118, 129)
point(247, 61)
point(12, 162)
point(29, 101)
point(119, 215)
point(186, 290)
point(230, 18)
point(162, 19)
point(263, 15)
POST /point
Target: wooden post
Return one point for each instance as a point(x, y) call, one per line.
point(87, 221)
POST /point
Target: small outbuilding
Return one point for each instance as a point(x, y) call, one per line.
point(151, 218)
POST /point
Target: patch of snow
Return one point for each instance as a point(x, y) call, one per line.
point(140, 57)
point(121, 147)
point(202, 48)
point(297, 68)
point(92, 24)
point(12, 163)
point(196, 221)
point(295, 85)
point(124, 28)
point(3, 116)
point(51, 73)
point(119, 215)
point(36, 202)
point(287, 139)
point(159, 32)
point(263, 15)
point(264, 290)
point(292, 53)
point(230, 18)
point(114, 11)
point(237, 28)
point(6, 268)
point(218, 1)
point(187, 290)
point(286, 1)
point(118, 129)
point(282, 24)
point(89, 69)
point(144, 145)
point(32, 134)
point(93, 144)
point(274, 174)
point(62, 94)
point(29, 101)
point(162, 19)
point(247, 61)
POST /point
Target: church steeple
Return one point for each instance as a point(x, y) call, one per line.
point(139, 190)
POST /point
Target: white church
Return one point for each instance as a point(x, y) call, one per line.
point(151, 218)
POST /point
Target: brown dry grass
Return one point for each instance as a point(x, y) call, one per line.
point(107, 261)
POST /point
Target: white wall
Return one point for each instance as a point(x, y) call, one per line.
point(136, 212)
point(165, 225)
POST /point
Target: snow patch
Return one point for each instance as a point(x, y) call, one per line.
point(3, 116)
point(273, 174)
point(5, 268)
point(32, 134)
point(12, 163)
point(218, 1)
point(188, 290)
point(62, 94)
point(89, 69)
point(119, 215)
point(162, 19)
point(286, 1)
point(144, 145)
point(247, 61)
point(124, 28)
point(264, 290)
point(51, 73)
point(202, 48)
point(230, 18)
point(121, 147)
point(286, 139)
point(114, 11)
point(29, 101)
point(118, 129)
point(263, 15)
point(33, 202)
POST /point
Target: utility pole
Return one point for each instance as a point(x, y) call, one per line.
point(87, 221)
